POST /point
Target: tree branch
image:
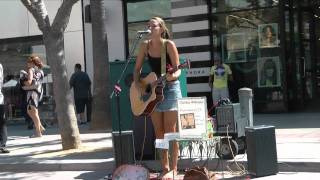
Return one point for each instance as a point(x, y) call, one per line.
point(38, 9)
point(61, 20)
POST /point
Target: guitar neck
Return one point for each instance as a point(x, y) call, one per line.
point(170, 71)
point(173, 70)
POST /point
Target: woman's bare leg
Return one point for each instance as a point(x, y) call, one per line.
point(170, 123)
point(33, 113)
point(158, 125)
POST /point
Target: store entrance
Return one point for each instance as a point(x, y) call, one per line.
point(302, 37)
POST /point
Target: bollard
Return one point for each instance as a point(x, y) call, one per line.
point(245, 99)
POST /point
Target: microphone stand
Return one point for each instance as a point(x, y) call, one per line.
point(117, 88)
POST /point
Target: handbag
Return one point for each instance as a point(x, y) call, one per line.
point(199, 173)
point(36, 83)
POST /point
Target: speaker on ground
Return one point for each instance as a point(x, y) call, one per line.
point(261, 150)
point(123, 148)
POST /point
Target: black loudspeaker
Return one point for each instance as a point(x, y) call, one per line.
point(261, 150)
point(124, 149)
point(139, 131)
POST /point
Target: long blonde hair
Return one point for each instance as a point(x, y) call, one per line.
point(165, 34)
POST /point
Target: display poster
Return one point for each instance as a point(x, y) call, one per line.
point(233, 47)
point(192, 115)
point(268, 72)
point(268, 35)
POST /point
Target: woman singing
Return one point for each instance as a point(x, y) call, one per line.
point(164, 117)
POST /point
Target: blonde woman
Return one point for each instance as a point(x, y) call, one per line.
point(164, 117)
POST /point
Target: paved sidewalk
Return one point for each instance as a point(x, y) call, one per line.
point(46, 154)
point(298, 144)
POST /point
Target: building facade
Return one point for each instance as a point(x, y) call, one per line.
point(271, 46)
point(20, 37)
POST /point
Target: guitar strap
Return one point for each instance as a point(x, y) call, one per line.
point(163, 57)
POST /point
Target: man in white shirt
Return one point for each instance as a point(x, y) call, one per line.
point(3, 127)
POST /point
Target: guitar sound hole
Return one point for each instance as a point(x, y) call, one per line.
point(148, 88)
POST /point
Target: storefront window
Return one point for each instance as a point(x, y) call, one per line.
point(13, 55)
point(249, 42)
point(143, 10)
point(139, 12)
point(235, 5)
point(246, 36)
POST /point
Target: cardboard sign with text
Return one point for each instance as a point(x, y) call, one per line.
point(192, 115)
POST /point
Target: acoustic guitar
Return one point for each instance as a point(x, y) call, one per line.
point(143, 100)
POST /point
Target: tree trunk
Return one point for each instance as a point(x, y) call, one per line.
point(53, 36)
point(68, 127)
point(101, 116)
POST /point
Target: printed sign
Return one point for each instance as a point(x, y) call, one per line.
point(192, 114)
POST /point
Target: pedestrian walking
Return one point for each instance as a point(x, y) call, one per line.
point(81, 84)
point(33, 86)
point(3, 126)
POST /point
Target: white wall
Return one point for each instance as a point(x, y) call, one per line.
point(115, 30)
point(73, 46)
point(88, 44)
point(73, 39)
point(52, 8)
point(16, 21)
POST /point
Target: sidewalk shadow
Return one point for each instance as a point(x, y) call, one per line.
point(81, 153)
point(97, 175)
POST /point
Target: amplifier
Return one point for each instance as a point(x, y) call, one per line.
point(261, 150)
point(227, 116)
point(123, 148)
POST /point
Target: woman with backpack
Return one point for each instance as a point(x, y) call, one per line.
point(33, 86)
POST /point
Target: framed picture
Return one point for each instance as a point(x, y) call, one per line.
point(233, 48)
point(192, 117)
point(268, 72)
point(268, 35)
point(187, 121)
point(252, 48)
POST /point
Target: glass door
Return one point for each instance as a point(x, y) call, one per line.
point(300, 55)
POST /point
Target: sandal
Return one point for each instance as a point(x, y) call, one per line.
point(34, 136)
point(161, 175)
point(168, 175)
point(4, 150)
point(42, 129)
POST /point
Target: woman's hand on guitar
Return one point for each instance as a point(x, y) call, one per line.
point(170, 77)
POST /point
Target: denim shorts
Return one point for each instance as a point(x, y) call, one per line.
point(171, 93)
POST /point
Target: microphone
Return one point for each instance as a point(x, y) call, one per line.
point(147, 31)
